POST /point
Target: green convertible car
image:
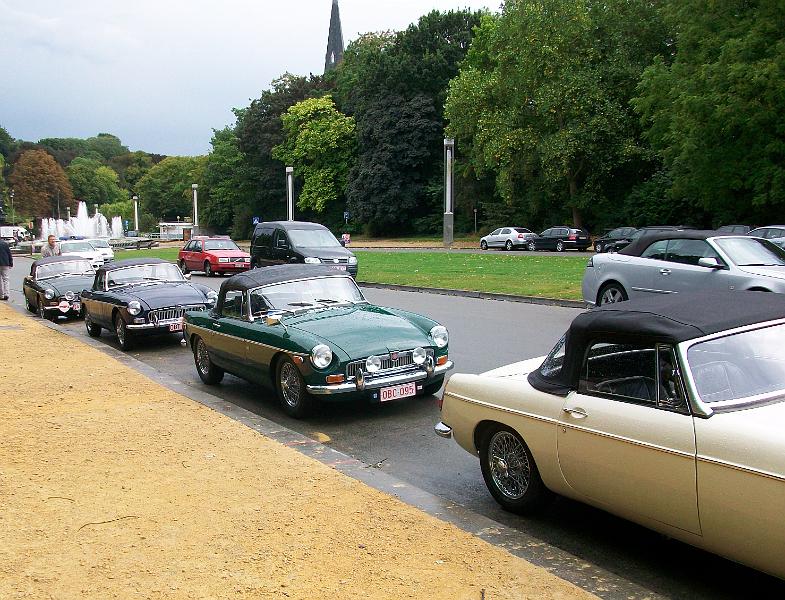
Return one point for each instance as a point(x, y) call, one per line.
point(308, 331)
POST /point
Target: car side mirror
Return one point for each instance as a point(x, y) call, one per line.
point(272, 320)
point(187, 276)
point(709, 262)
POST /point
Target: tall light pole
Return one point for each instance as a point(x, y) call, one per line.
point(68, 212)
point(449, 196)
point(136, 212)
point(290, 193)
point(95, 206)
point(195, 187)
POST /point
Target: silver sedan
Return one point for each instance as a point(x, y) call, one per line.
point(679, 261)
point(508, 238)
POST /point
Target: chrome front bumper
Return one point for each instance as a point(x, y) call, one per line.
point(366, 383)
point(443, 430)
point(162, 325)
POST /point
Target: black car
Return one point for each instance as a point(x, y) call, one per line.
point(283, 242)
point(614, 239)
point(560, 239)
point(54, 286)
point(621, 244)
point(141, 296)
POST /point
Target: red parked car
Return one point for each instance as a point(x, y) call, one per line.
point(213, 255)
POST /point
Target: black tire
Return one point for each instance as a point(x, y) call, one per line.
point(289, 384)
point(123, 336)
point(508, 245)
point(208, 372)
point(434, 387)
point(93, 330)
point(599, 248)
point(510, 472)
point(28, 306)
point(611, 293)
point(483, 245)
point(41, 311)
point(208, 270)
point(531, 246)
point(183, 267)
point(559, 246)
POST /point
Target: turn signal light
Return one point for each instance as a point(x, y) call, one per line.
point(335, 379)
point(442, 360)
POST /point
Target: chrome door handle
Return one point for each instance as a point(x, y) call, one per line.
point(665, 271)
point(578, 413)
point(217, 325)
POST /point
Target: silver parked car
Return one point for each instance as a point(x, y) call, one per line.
point(508, 238)
point(774, 233)
point(669, 262)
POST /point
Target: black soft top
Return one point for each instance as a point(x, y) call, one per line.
point(133, 262)
point(647, 239)
point(276, 274)
point(668, 319)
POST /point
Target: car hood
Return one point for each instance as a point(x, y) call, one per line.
point(325, 252)
point(362, 330)
point(85, 254)
point(72, 283)
point(518, 370)
point(777, 272)
point(228, 253)
point(160, 295)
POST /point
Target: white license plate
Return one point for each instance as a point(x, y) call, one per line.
point(77, 306)
point(398, 391)
point(338, 267)
point(175, 327)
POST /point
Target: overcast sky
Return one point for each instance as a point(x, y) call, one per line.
point(161, 74)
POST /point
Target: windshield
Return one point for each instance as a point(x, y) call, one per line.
point(522, 230)
point(307, 293)
point(312, 238)
point(752, 252)
point(99, 243)
point(75, 247)
point(220, 245)
point(71, 267)
point(144, 273)
point(739, 366)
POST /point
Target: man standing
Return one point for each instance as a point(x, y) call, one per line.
point(6, 262)
point(51, 248)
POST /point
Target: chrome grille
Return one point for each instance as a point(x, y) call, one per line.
point(334, 261)
point(402, 360)
point(171, 313)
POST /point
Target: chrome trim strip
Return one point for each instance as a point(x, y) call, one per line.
point(639, 289)
point(187, 325)
point(742, 468)
point(442, 430)
point(377, 382)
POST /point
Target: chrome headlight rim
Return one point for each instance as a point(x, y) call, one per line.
point(352, 260)
point(212, 297)
point(49, 294)
point(70, 296)
point(373, 364)
point(440, 336)
point(134, 307)
point(321, 356)
point(419, 356)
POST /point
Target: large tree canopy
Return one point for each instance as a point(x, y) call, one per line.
point(716, 109)
point(41, 188)
point(226, 175)
point(165, 190)
point(93, 182)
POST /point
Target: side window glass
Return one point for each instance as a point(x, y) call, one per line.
point(234, 305)
point(546, 233)
point(670, 391)
point(656, 250)
point(496, 232)
point(505, 231)
point(197, 246)
point(689, 252)
point(280, 239)
point(98, 284)
point(625, 372)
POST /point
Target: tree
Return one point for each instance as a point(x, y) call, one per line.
point(319, 144)
point(165, 190)
point(93, 182)
point(107, 145)
point(227, 178)
point(713, 106)
point(41, 188)
point(66, 150)
point(7, 143)
point(131, 167)
point(542, 100)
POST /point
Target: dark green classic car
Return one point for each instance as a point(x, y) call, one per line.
point(308, 331)
point(55, 284)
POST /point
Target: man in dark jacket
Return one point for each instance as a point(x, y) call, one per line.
point(6, 262)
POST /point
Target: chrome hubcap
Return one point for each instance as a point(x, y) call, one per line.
point(612, 295)
point(202, 357)
point(290, 384)
point(120, 331)
point(509, 464)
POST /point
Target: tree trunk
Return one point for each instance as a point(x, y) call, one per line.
point(577, 217)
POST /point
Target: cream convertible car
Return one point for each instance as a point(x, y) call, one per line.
point(667, 411)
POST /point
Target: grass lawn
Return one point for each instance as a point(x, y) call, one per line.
point(525, 275)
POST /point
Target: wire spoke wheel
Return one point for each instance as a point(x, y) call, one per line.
point(509, 462)
point(202, 358)
point(290, 384)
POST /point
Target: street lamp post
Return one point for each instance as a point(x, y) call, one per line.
point(13, 214)
point(475, 220)
point(290, 193)
point(68, 212)
point(449, 197)
point(95, 206)
point(136, 213)
point(195, 187)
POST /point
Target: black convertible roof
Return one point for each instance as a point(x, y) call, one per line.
point(647, 239)
point(276, 274)
point(668, 319)
point(56, 259)
point(133, 262)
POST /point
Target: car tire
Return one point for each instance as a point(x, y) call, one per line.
point(599, 248)
point(532, 246)
point(93, 330)
point(508, 245)
point(208, 372)
point(434, 387)
point(510, 472)
point(483, 245)
point(559, 246)
point(29, 306)
point(295, 400)
point(611, 293)
point(123, 336)
point(183, 267)
point(208, 270)
point(41, 311)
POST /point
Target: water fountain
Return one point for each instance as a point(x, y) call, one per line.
point(82, 225)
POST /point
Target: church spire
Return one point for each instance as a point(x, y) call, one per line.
point(334, 40)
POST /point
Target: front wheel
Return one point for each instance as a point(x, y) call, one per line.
point(510, 472)
point(93, 330)
point(294, 398)
point(123, 337)
point(483, 245)
point(28, 306)
point(611, 293)
point(42, 310)
point(598, 248)
point(208, 270)
point(207, 370)
point(559, 246)
point(531, 246)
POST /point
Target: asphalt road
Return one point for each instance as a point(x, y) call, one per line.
point(399, 439)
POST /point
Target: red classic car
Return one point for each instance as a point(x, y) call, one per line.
point(213, 255)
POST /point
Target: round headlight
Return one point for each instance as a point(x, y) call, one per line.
point(440, 336)
point(321, 356)
point(49, 294)
point(134, 308)
point(212, 296)
point(373, 364)
point(69, 295)
point(419, 355)
point(312, 260)
point(352, 260)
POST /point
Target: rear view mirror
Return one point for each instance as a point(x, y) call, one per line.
point(709, 263)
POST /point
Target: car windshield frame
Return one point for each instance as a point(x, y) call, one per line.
point(312, 238)
point(56, 269)
point(223, 244)
point(751, 244)
point(305, 294)
point(143, 274)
